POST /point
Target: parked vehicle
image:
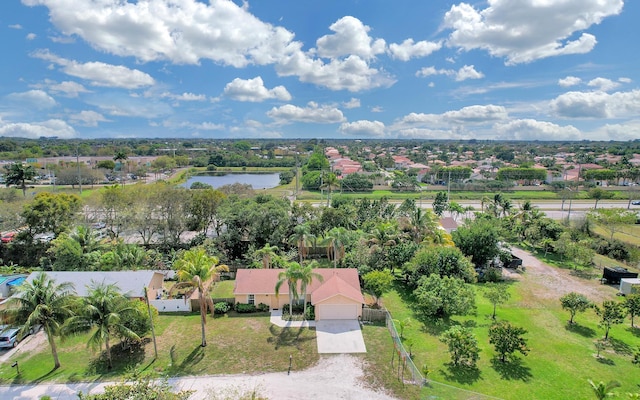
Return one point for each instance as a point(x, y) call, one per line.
point(636, 202)
point(9, 338)
point(8, 237)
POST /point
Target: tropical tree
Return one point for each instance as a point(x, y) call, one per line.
point(463, 346)
point(198, 270)
point(507, 339)
point(291, 276)
point(306, 277)
point(266, 253)
point(302, 237)
point(611, 313)
point(377, 283)
point(603, 390)
point(336, 240)
point(17, 174)
point(107, 310)
point(42, 302)
point(574, 302)
point(632, 304)
point(442, 297)
point(440, 203)
point(496, 294)
point(329, 181)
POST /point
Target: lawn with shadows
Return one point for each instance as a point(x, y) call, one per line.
point(562, 356)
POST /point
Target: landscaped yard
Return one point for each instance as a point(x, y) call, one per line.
point(245, 343)
point(562, 358)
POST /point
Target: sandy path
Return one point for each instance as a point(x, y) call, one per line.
point(547, 282)
point(334, 377)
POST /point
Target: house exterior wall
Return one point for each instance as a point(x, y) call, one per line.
point(274, 302)
point(155, 285)
point(340, 300)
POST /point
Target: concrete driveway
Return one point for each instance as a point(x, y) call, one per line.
point(339, 336)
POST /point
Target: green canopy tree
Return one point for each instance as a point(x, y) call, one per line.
point(574, 302)
point(632, 304)
point(611, 313)
point(42, 302)
point(463, 346)
point(306, 275)
point(496, 294)
point(507, 339)
point(377, 283)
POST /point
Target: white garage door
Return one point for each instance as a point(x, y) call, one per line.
point(337, 311)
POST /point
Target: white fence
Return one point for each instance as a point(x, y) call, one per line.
point(173, 305)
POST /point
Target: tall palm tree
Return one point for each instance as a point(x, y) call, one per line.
point(106, 310)
point(307, 276)
point(423, 222)
point(302, 237)
point(267, 253)
point(198, 270)
point(336, 240)
point(330, 181)
point(42, 302)
point(291, 275)
point(121, 156)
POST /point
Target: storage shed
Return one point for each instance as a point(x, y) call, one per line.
point(629, 286)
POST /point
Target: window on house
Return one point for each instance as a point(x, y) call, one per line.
point(251, 299)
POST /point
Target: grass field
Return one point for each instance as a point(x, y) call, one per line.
point(562, 357)
point(237, 344)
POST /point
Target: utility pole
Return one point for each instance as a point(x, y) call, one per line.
point(153, 332)
point(78, 164)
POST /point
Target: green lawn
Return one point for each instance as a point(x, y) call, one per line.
point(223, 289)
point(236, 344)
point(559, 364)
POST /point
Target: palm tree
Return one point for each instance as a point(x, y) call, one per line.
point(306, 278)
point(42, 302)
point(17, 174)
point(301, 237)
point(329, 182)
point(120, 156)
point(106, 310)
point(198, 271)
point(267, 253)
point(423, 222)
point(291, 275)
point(336, 240)
point(602, 390)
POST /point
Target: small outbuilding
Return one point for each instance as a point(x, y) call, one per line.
point(629, 286)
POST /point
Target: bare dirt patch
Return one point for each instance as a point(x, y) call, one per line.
point(547, 282)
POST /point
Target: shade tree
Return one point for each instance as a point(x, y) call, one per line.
point(574, 303)
point(443, 297)
point(611, 313)
point(462, 345)
point(507, 339)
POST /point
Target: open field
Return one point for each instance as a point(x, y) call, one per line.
point(562, 357)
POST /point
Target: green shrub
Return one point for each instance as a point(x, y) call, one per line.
point(262, 307)
point(221, 308)
point(245, 308)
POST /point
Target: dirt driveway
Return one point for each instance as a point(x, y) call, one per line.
point(547, 282)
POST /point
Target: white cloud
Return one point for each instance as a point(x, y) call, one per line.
point(597, 104)
point(468, 72)
point(569, 81)
point(351, 37)
point(624, 80)
point(34, 130)
point(530, 129)
point(410, 49)
point(38, 99)
point(471, 115)
point(99, 73)
point(377, 109)
point(603, 84)
point(87, 118)
point(464, 73)
point(363, 128)
point(15, 26)
point(313, 113)
point(352, 103)
point(67, 88)
point(513, 29)
point(186, 96)
point(253, 90)
point(629, 130)
point(31, 36)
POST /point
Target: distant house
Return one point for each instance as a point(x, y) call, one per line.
point(448, 224)
point(130, 283)
point(337, 296)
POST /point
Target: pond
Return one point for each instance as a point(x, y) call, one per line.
point(256, 180)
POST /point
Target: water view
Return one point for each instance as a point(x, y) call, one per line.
point(256, 180)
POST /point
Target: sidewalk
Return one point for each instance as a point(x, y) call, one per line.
point(276, 319)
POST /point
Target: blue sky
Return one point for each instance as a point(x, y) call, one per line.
point(497, 69)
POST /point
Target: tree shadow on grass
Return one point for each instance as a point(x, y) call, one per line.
point(512, 370)
point(584, 273)
point(580, 330)
point(620, 347)
point(190, 361)
point(123, 355)
point(635, 331)
point(605, 361)
point(461, 373)
point(286, 337)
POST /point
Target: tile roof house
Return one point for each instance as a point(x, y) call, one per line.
point(337, 296)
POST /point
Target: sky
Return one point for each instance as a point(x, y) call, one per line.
point(352, 69)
